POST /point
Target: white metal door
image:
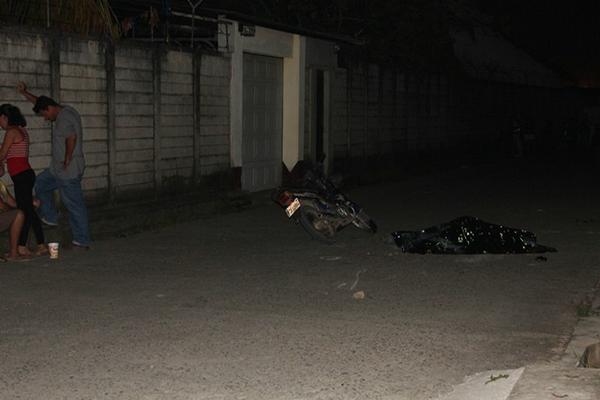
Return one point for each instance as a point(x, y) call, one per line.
point(262, 122)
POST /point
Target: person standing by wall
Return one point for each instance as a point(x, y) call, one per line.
point(15, 150)
point(66, 166)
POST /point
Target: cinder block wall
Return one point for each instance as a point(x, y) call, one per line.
point(26, 58)
point(82, 84)
point(340, 145)
point(153, 117)
point(390, 117)
point(134, 119)
point(213, 114)
point(176, 122)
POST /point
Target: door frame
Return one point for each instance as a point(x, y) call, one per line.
point(292, 48)
point(311, 134)
point(244, 184)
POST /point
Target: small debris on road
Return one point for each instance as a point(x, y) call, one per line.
point(353, 286)
point(360, 295)
point(495, 378)
point(330, 258)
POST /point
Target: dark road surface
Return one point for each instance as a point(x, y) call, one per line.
point(246, 306)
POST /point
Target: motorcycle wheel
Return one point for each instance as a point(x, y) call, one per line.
point(364, 222)
point(315, 225)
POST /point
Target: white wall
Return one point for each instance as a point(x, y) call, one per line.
point(26, 58)
point(147, 149)
point(83, 86)
point(134, 120)
point(214, 114)
point(271, 43)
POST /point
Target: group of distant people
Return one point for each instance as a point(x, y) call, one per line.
point(23, 212)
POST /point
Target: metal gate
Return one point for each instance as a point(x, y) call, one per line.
point(262, 122)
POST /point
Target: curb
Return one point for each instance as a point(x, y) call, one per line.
point(564, 378)
point(555, 379)
point(128, 218)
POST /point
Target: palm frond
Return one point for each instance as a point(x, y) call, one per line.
point(79, 16)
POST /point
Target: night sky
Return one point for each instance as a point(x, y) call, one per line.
point(564, 34)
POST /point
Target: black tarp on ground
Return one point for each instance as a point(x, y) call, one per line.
point(469, 235)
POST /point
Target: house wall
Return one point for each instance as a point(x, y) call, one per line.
point(156, 117)
point(82, 84)
point(134, 119)
point(388, 117)
point(152, 116)
point(176, 120)
point(292, 49)
point(214, 114)
point(26, 58)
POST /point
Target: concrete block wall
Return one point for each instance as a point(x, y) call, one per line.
point(406, 115)
point(426, 136)
point(388, 120)
point(339, 115)
point(374, 113)
point(378, 112)
point(357, 111)
point(400, 110)
point(443, 109)
point(176, 130)
point(82, 82)
point(150, 115)
point(433, 135)
point(25, 58)
point(213, 113)
point(134, 119)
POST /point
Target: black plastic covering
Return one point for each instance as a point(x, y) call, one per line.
point(469, 235)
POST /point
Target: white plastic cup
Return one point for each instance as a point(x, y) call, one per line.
point(53, 249)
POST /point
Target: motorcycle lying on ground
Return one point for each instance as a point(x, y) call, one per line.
point(314, 201)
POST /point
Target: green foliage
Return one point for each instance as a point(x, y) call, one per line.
point(79, 16)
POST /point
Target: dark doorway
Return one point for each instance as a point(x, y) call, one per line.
point(320, 115)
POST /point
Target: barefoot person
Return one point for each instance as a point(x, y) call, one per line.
point(66, 166)
point(15, 150)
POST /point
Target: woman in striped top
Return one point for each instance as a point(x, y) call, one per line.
point(15, 150)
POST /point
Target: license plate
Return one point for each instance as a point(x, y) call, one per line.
point(292, 208)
